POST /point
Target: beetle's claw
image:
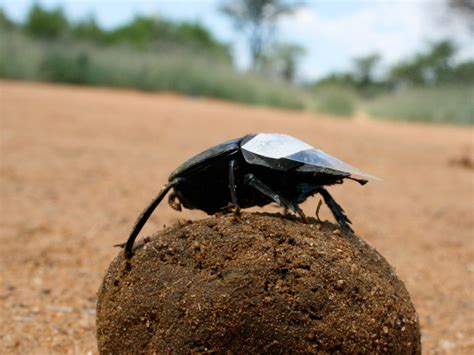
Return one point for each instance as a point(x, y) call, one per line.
point(303, 217)
point(299, 211)
point(236, 210)
point(230, 208)
point(120, 245)
point(347, 228)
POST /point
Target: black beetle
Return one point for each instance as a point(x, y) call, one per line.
point(254, 170)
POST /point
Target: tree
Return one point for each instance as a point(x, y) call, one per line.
point(282, 60)
point(147, 31)
point(257, 19)
point(463, 73)
point(463, 9)
point(337, 79)
point(5, 22)
point(141, 31)
point(440, 60)
point(365, 68)
point(46, 24)
point(431, 67)
point(408, 72)
point(88, 29)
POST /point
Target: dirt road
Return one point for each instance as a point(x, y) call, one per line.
point(78, 165)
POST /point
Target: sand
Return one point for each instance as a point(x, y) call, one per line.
point(79, 164)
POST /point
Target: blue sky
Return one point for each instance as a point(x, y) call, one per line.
point(332, 31)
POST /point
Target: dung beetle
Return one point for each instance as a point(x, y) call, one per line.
point(254, 170)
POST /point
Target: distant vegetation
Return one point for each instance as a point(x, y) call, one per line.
point(147, 54)
point(142, 32)
point(447, 103)
point(175, 69)
point(156, 54)
point(429, 86)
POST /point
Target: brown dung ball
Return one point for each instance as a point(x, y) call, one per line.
point(258, 283)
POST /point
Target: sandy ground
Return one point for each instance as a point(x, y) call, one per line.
point(78, 165)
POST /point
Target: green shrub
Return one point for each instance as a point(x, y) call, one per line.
point(61, 67)
point(450, 104)
point(20, 56)
point(335, 100)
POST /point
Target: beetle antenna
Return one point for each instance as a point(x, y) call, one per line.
point(360, 181)
point(143, 217)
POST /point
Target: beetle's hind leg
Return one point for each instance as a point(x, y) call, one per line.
point(251, 180)
point(336, 210)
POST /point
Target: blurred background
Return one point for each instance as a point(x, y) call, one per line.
point(409, 60)
point(100, 100)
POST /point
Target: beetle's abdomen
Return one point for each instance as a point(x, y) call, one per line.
point(205, 188)
point(206, 197)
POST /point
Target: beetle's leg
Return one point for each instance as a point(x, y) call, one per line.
point(143, 217)
point(317, 210)
point(251, 180)
point(174, 202)
point(336, 210)
point(233, 187)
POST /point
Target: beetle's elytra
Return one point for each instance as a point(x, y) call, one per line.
point(254, 170)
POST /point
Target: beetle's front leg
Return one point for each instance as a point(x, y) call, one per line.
point(336, 210)
point(174, 201)
point(233, 187)
point(143, 217)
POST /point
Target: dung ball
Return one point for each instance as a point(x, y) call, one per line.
point(258, 283)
